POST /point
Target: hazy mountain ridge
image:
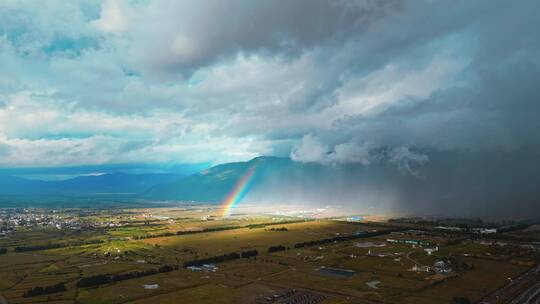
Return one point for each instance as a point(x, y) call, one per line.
point(275, 180)
point(449, 183)
point(210, 185)
point(110, 183)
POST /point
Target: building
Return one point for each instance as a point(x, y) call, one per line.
point(484, 230)
point(429, 251)
point(195, 268)
point(450, 228)
point(151, 286)
point(412, 242)
point(210, 267)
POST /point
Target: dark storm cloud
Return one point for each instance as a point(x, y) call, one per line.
point(489, 103)
point(189, 35)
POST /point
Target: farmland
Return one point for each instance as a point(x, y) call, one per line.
point(162, 255)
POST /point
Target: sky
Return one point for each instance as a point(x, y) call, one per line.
point(85, 83)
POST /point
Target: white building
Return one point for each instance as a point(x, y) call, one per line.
point(151, 286)
point(429, 251)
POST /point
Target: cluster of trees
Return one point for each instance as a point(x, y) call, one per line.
point(456, 241)
point(38, 247)
point(222, 258)
point(342, 238)
point(276, 248)
point(456, 222)
point(39, 291)
point(101, 279)
point(150, 236)
point(457, 265)
point(466, 224)
point(248, 254)
point(3, 250)
point(54, 245)
point(262, 225)
point(279, 229)
point(208, 230)
point(213, 260)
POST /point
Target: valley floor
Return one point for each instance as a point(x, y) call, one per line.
point(165, 255)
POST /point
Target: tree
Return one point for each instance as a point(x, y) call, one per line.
point(462, 300)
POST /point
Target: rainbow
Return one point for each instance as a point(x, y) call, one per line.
point(238, 192)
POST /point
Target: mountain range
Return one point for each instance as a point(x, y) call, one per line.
point(108, 183)
point(447, 181)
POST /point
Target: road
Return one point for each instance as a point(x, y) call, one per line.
point(530, 296)
point(408, 257)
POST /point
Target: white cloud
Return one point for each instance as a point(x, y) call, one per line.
point(36, 130)
point(113, 17)
point(312, 150)
point(184, 81)
point(396, 82)
point(58, 152)
point(309, 150)
point(352, 153)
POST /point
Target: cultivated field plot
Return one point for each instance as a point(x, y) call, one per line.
point(193, 255)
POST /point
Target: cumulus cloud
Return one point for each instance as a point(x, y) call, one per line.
point(334, 82)
point(112, 18)
point(309, 150)
point(312, 150)
point(46, 134)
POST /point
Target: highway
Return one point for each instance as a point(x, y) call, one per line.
point(530, 296)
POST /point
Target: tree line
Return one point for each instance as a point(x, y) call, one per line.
point(276, 248)
point(222, 258)
point(253, 253)
point(165, 234)
point(54, 246)
point(343, 238)
point(3, 250)
point(38, 247)
point(251, 226)
point(279, 229)
point(101, 279)
point(39, 291)
point(109, 278)
point(263, 225)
